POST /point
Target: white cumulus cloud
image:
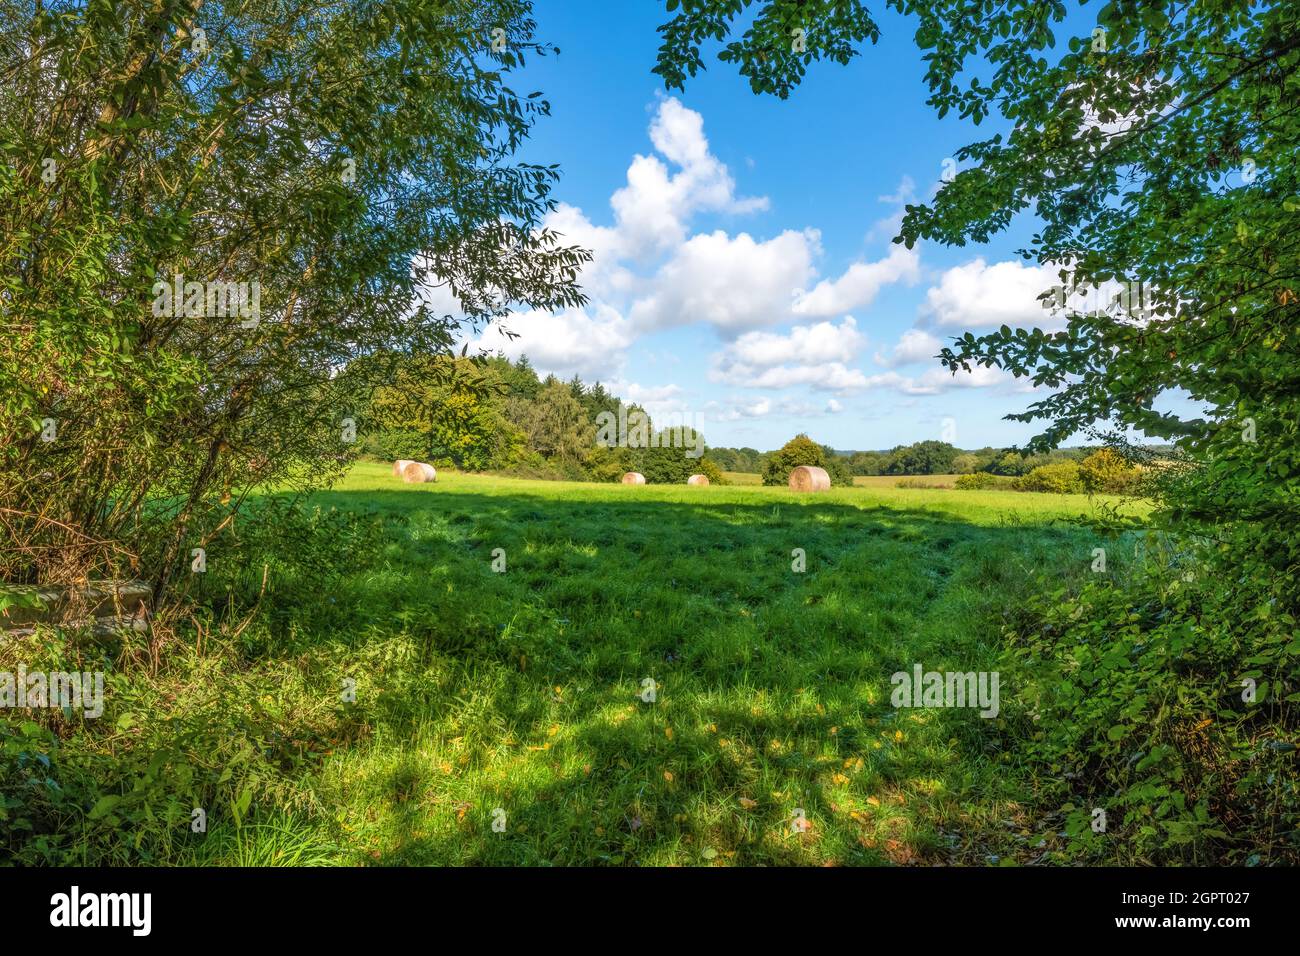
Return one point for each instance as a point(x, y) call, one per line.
point(977, 295)
point(860, 284)
point(733, 283)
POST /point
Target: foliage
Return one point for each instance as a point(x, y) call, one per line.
point(868, 462)
point(223, 156)
point(922, 458)
point(748, 460)
point(781, 39)
point(711, 471)
point(1105, 470)
point(437, 409)
point(666, 461)
point(1170, 704)
point(981, 480)
point(1165, 159)
point(1062, 478)
point(555, 425)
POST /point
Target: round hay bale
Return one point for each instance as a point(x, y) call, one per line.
point(810, 478)
point(633, 478)
point(700, 480)
point(399, 465)
point(418, 473)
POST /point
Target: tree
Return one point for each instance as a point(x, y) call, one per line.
point(868, 462)
point(802, 450)
point(837, 467)
point(443, 410)
point(298, 172)
point(922, 458)
point(666, 461)
point(555, 425)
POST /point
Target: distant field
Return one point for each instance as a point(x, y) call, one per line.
point(523, 691)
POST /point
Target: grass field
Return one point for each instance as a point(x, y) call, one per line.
point(394, 690)
point(523, 691)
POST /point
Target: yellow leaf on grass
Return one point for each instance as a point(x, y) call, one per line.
point(747, 803)
point(668, 775)
point(668, 732)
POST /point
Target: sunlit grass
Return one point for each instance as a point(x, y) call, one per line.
point(370, 681)
point(523, 691)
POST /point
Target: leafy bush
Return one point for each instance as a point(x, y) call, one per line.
point(712, 472)
point(1134, 701)
point(391, 444)
point(919, 483)
point(981, 480)
point(1107, 471)
point(250, 704)
point(1061, 478)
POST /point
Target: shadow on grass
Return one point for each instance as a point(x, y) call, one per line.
point(777, 680)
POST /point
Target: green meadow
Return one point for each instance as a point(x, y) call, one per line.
point(385, 674)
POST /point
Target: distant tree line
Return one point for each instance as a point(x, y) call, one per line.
point(941, 458)
point(492, 414)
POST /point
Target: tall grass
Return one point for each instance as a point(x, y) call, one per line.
point(359, 685)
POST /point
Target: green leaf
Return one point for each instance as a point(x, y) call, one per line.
point(104, 805)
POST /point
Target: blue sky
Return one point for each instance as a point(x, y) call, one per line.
point(744, 279)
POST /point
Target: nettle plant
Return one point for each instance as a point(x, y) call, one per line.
point(329, 160)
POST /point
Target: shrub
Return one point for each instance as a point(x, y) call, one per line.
point(712, 472)
point(1107, 471)
point(390, 444)
point(919, 483)
point(1132, 700)
point(1061, 478)
point(980, 481)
